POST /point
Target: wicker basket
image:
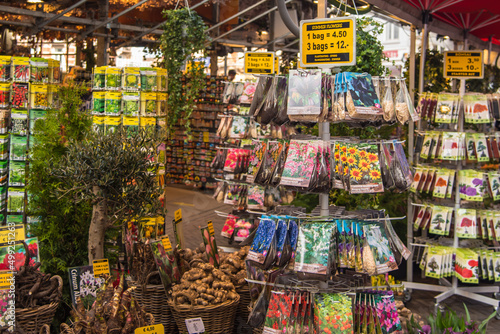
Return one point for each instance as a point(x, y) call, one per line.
point(217, 319)
point(32, 320)
point(242, 312)
point(153, 299)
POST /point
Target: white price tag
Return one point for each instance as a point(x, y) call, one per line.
point(195, 325)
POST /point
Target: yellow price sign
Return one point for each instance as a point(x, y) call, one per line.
point(153, 329)
point(211, 228)
point(12, 233)
point(328, 42)
point(101, 267)
point(166, 244)
point(259, 62)
point(276, 65)
point(6, 279)
point(463, 64)
point(206, 136)
point(178, 215)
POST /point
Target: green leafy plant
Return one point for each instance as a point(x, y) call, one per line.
point(114, 174)
point(489, 84)
point(450, 322)
point(434, 81)
point(183, 37)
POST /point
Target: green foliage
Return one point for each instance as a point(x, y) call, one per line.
point(183, 36)
point(489, 84)
point(369, 50)
point(63, 228)
point(450, 322)
point(434, 81)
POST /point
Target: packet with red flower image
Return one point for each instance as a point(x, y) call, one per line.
point(259, 148)
point(228, 228)
point(272, 324)
point(212, 251)
point(300, 164)
point(20, 254)
point(248, 92)
point(465, 223)
point(256, 197)
point(333, 313)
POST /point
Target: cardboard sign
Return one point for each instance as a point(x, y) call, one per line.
point(328, 42)
point(6, 278)
point(101, 267)
point(178, 215)
point(211, 228)
point(463, 64)
point(12, 234)
point(195, 325)
point(153, 329)
point(166, 244)
point(259, 62)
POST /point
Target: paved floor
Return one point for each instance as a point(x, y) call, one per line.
point(198, 208)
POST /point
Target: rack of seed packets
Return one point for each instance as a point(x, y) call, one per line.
point(456, 188)
point(28, 89)
point(346, 247)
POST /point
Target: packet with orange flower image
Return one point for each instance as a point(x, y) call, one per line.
point(365, 175)
point(476, 109)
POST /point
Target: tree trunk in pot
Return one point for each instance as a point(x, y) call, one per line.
point(97, 227)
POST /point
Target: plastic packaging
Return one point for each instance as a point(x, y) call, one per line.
point(113, 103)
point(269, 109)
point(39, 71)
point(304, 95)
point(131, 79)
point(260, 94)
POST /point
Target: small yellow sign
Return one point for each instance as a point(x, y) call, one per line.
point(463, 64)
point(101, 267)
point(148, 121)
point(153, 329)
point(11, 233)
point(166, 244)
point(328, 42)
point(6, 279)
point(206, 136)
point(211, 228)
point(178, 215)
point(276, 65)
point(259, 62)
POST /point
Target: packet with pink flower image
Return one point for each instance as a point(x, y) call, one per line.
point(229, 225)
point(387, 312)
point(210, 246)
point(300, 164)
point(248, 91)
point(263, 249)
point(242, 229)
point(256, 197)
point(259, 148)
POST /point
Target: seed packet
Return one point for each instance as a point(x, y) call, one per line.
point(161, 104)
point(426, 145)
point(149, 80)
point(476, 108)
point(467, 265)
point(20, 69)
point(361, 99)
point(280, 165)
point(299, 165)
point(431, 176)
point(261, 90)
point(131, 103)
point(19, 95)
point(112, 123)
point(481, 148)
point(242, 229)
point(130, 125)
point(148, 104)
point(234, 194)
point(450, 146)
point(131, 79)
point(472, 186)
point(19, 122)
point(304, 95)
point(259, 148)
point(18, 148)
point(263, 246)
point(4, 94)
point(228, 228)
point(98, 102)
point(15, 200)
point(161, 79)
point(282, 102)
point(441, 183)
point(273, 324)
point(445, 108)
point(470, 146)
point(438, 220)
point(17, 172)
point(283, 247)
point(269, 162)
point(496, 267)
point(465, 223)
point(333, 313)
point(379, 245)
point(5, 64)
point(400, 169)
point(239, 127)
point(248, 92)
point(39, 71)
point(113, 103)
point(314, 256)
point(99, 78)
point(269, 109)
point(416, 178)
point(364, 169)
point(395, 241)
point(494, 185)
point(113, 78)
point(255, 198)
point(166, 263)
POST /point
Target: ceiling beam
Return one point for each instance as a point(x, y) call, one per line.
point(56, 16)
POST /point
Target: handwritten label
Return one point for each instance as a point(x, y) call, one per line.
point(166, 244)
point(259, 62)
point(329, 42)
point(153, 329)
point(211, 228)
point(195, 325)
point(101, 267)
point(6, 278)
point(178, 215)
point(463, 64)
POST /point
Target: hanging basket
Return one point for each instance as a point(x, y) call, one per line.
point(217, 319)
point(153, 299)
point(33, 320)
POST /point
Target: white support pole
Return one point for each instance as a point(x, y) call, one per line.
point(490, 47)
point(423, 49)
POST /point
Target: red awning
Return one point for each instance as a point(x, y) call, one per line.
point(480, 18)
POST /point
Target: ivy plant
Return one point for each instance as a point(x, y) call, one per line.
point(434, 81)
point(183, 37)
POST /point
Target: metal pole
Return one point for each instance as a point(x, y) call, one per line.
point(411, 134)
point(423, 51)
point(55, 17)
point(323, 127)
point(490, 47)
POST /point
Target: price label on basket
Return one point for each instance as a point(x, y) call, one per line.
point(211, 228)
point(195, 326)
point(328, 42)
point(166, 244)
point(153, 329)
point(463, 64)
point(259, 62)
point(178, 215)
point(101, 267)
point(17, 231)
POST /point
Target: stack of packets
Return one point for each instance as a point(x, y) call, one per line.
point(467, 264)
point(474, 186)
point(443, 108)
point(469, 223)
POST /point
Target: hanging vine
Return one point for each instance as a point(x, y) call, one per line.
point(183, 37)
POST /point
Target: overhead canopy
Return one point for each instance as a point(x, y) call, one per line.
point(480, 18)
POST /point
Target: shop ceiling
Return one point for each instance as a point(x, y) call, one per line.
point(238, 23)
